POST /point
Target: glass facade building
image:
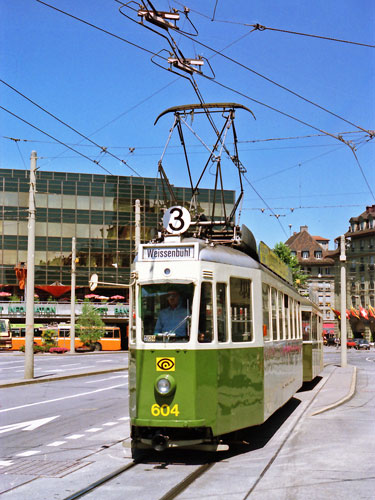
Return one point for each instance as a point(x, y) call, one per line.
point(97, 209)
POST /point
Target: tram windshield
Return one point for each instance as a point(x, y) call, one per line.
point(166, 312)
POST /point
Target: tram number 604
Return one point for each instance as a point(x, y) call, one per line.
point(164, 410)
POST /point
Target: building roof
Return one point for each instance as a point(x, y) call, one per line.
point(303, 241)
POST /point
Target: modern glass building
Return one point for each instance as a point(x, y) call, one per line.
point(97, 209)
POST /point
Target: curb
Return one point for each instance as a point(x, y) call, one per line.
point(342, 400)
point(52, 378)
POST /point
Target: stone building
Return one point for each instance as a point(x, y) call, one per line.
point(360, 273)
point(316, 261)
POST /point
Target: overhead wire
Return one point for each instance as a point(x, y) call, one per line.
point(370, 133)
point(215, 81)
point(54, 138)
point(263, 28)
point(102, 148)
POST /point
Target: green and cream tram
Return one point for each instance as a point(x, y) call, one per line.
point(235, 352)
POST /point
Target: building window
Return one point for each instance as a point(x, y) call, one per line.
point(327, 270)
point(318, 254)
point(293, 252)
point(305, 254)
point(362, 244)
point(362, 225)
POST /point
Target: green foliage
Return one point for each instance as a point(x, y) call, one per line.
point(36, 348)
point(89, 327)
point(285, 254)
point(14, 298)
point(49, 338)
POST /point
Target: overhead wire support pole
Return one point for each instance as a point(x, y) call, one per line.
point(73, 299)
point(343, 301)
point(30, 280)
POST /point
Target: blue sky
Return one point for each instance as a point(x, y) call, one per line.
point(111, 91)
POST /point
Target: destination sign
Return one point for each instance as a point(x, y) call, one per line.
point(168, 253)
point(272, 261)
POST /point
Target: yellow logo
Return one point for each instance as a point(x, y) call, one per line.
point(165, 364)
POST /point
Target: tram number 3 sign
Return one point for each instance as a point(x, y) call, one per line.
point(176, 220)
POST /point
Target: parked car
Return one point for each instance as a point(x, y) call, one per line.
point(351, 343)
point(362, 344)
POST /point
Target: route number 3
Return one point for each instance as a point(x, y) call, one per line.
point(176, 220)
point(164, 410)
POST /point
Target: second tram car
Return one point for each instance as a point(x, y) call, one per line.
point(312, 336)
point(227, 358)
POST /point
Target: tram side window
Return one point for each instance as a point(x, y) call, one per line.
point(165, 311)
point(266, 311)
point(274, 313)
point(281, 314)
point(205, 328)
point(291, 318)
point(108, 334)
point(314, 327)
point(286, 324)
point(306, 328)
point(241, 310)
point(221, 306)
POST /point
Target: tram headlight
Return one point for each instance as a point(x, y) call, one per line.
point(165, 385)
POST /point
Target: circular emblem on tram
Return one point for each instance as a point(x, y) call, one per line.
point(165, 364)
point(176, 220)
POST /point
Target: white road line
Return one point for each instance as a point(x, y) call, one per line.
point(55, 370)
point(124, 418)
point(94, 429)
point(75, 436)
point(56, 443)
point(104, 379)
point(27, 453)
point(109, 424)
point(5, 463)
point(63, 398)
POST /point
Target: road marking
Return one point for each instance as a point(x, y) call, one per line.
point(62, 399)
point(57, 370)
point(27, 426)
point(124, 418)
point(27, 453)
point(109, 424)
point(75, 436)
point(56, 443)
point(94, 429)
point(5, 463)
point(104, 379)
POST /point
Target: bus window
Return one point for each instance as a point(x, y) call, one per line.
point(241, 310)
point(205, 328)
point(221, 305)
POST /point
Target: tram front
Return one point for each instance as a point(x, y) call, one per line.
point(172, 370)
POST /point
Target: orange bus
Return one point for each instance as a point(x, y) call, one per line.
point(5, 334)
point(18, 332)
point(111, 340)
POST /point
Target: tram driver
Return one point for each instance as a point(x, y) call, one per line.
point(173, 319)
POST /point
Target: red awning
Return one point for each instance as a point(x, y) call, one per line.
point(55, 290)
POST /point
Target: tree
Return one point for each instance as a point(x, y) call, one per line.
point(90, 326)
point(285, 254)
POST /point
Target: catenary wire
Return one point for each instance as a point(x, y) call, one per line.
point(54, 138)
point(263, 28)
point(218, 83)
point(277, 84)
point(371, 134)
point(103, 149)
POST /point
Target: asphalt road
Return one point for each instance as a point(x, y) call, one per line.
point(12, 363)
point(68, 419)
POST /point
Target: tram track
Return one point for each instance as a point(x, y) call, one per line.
point(169, 495)
point(199, 471)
